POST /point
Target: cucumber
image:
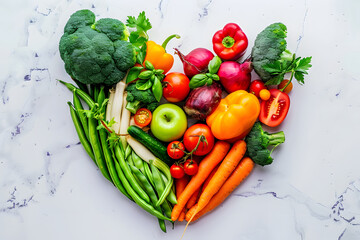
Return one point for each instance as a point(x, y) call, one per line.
point(151, 143)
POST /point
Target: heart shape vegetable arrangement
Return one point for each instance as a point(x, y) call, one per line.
point(140, 145)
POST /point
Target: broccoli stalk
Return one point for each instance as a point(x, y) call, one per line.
point(258, 143)
point(133, 106)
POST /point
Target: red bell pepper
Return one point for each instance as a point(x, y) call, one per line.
point(230, 43)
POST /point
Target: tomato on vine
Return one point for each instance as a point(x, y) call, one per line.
point(177, 171)
point(176, 150)
point(191, 167)
point(198, 138)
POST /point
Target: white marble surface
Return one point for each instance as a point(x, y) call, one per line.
point(49, 188)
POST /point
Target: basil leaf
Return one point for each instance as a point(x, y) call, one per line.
point(209, 81)
point(133, 74)
point(214, 65)
point(149, 65)
point(143, 84)
point(157, 89)
point(198, 80)
point(145, 74)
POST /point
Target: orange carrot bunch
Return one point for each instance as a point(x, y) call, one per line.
point(220, 172)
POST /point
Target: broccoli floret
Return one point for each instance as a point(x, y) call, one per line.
point(96, 52)
point(140, 98)
point(270, 46)
point(258, 142)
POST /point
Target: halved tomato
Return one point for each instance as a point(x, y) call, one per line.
point(274, 110)
point(142, 117)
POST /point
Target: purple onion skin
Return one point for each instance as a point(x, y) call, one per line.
point(203, 101)
point(196, 61)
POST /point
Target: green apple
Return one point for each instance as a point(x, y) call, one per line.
point(168, 122)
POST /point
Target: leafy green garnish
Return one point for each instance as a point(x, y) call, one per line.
point(298, 67)
point(142, 24)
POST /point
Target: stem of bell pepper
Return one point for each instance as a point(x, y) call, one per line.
point(167, 40)
point(228, 42)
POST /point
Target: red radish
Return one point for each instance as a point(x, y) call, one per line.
point(196, 61)
point(235, 76)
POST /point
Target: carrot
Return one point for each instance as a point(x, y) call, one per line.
point(240, 173)
point(218, 153)
point(182, 215)
point(209, 178)
point(193, 199)
point(225, 169)
point(180, 185)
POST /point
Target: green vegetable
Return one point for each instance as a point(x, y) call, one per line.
point(81, 134)
point(96, 52)
point(146, 206)
point(151, 143)
point(271, 60)
point(140, 98)
point(258, 142)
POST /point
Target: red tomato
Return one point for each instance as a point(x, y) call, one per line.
point(191, 167)
point(256, 86)
point(176, 87)
point(177, 171)
point(191, 139)
point(142, 117)
point(176, 150)
point(274, 110)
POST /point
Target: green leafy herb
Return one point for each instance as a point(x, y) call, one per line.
point(214, 65)
point(133, 74)
point(141, 23)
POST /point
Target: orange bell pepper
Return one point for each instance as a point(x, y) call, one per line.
point(157, 55)
point(235, 116)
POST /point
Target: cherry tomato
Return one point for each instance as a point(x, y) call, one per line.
point(176, 87)
point(177, 171)
point(191, 139)
point(264, 94)
point(274, 110)
point(191, 167)
point(289, 87)
point(256, 86)
point(176, 150)
point(142, 117)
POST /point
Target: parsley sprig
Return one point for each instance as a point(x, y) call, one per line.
point(297, 66)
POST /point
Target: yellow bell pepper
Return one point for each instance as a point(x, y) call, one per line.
point(235, 116)
point(157, 55)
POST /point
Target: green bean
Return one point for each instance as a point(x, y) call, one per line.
point(96, 146)
point(137, 161)
point(150, 191)
point(128, 151)
point(138, 200)
point(110, 162)
point(148, 173)
point(82, 86)
point(171, 197)
point(83, 95)
point(94, 91)
point(101, 97)
point(160, 187)
point(80, 131)
point(130, 160)
point(79, 109)
point(129, 176)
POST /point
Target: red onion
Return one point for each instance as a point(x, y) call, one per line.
point(203, 101)
point(235, 76)
point(196, 61)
